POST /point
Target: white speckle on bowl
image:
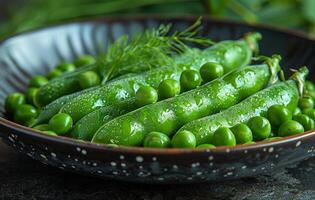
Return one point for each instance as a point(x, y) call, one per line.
point(78, 149)
point(270, 149)
point(124, 171)
point(298, 143)
point(73, 166)
point(99, 171)
point(211, 164)
point(53, 154)
point(175, 167)
point(254, 170)
point(214, 171)
point(11, 139)
point(94, 164)
point(165, 169)
point(139, 159)
point(263, 168)
point(115, 173)
point(277, 155)
point(113, 164)
point(154, 159)
point(189, 178)
point(69, 156)
point(227, 150)
point(140, 167)
point(64, 165)
point(244, 167)
point(43, 156)
point(123, 165)
point(211, 158)
point(84, 152)
point(264, 149)
point(160, 179)
point(77, 160)
point(84, 162)
point(122, 157)
point(198, 173)
point(245, 151)
point(195, 164)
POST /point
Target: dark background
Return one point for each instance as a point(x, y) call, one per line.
point(23, 178)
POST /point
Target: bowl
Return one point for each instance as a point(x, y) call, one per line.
point(38, 51)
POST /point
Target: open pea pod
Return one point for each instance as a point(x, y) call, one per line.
point(230, 54)
point(169, 115)
point(283, 93)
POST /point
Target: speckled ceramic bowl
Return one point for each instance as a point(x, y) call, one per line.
point(37, 52)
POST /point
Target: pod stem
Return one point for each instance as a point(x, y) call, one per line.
point(299, 77)
point(274, 67)
point(252, 41)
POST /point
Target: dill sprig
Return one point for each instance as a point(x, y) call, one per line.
point(151, 49)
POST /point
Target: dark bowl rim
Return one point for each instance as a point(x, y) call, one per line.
point(140, 150)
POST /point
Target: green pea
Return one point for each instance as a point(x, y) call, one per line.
point(89, 79)
point(84, 60)
point(66, 67)
point(13, 101)
point(54, 73)
point(272, 138)
point(206, 146)
point(60, 123)
point(156, 140)
point(309, 86)
point(24, 114)
point(42, 127)
point(309, 112)
point(250, 142)
point(277, 114)
point(297, 111)
point(30, 95)
point(168, 88)
point(289, 128)
point(242, 133)
point(260, 127)
point(210, 71)
point(51, 133)
point(38, 81)
point(223, 136)
point(184, 139)
point(146, 95)
point(305, 120)
point(112, 145)
point(189, 80)
point(306, 102)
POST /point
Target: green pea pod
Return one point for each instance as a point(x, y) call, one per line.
point(60, 86)
point(169, 115)
point(283, 93)
point(85, 128)
point(230, 54)
point(54, 107)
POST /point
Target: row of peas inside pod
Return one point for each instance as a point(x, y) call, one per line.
point(23, 108)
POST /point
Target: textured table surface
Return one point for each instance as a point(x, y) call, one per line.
point(23, 178)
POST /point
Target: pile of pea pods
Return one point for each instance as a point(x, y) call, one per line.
point(223, 95)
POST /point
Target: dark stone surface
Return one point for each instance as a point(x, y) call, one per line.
point(23, 178)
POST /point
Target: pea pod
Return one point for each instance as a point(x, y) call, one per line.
point(283, 93)
point(85, 128)
point(60, 86)
point(230, 54)
point(169, 115)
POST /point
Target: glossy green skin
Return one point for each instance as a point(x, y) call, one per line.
point(89, 79)
point(260, 126)
point(184, 139)
point(210, 71)
point(54, 107)
point(309, 112)
point(309, 86)
point(24, 114)
point(146, 95)
point(284, 93)
point(60, 124)
point(297, 111)
point(278, 114)
point(156, 140)
point(305, 120)
point(168, 88)
point(289, 128)
point(66, 67)
point(54, 74)
point(66, 84)
point(272, 138)
point(38, 81)
point(30, 95)
point(205, 146)
point(169, 115)
point(190, 79)
point(42, 127)
point(242, 133)
point(86, 127)
point(238, 53)
point(223, 136)
point(13, 101)
point(306, 102)
point(51, 133)
point(84, 60)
